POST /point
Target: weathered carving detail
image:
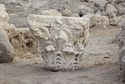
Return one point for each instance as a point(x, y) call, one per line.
point(61, 40)
point(22, 40)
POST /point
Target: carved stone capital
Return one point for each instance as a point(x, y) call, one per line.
point(61, 40)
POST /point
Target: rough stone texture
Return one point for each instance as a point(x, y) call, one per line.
point(24, 41)
point(19, 9)
point(119, 1)
point(122, 64)
point(18, 20)
point(61, 40)
point(52, 12)
point(117, 21)
point(121, 9)
point(101, 21)
point(121, 38)
point(67, 12)
point(121, 20)
point(85, 11)
point(111, 11)
point(6, 49)
point(3, 14)
point(21, 39)
point(121, 43)
point(100, 4)
point(113, 21)
point(97, 20)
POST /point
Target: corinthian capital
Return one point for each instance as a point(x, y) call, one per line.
point(61, 40)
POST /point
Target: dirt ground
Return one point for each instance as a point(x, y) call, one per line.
point(99, 65)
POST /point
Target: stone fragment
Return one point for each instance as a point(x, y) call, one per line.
point(52, 12)
point(111, 11)
point(6, 49)
point(117, 21)
point(98, 20)
point(61, 40)
point(100, 4)
point(85, 11)
point(21, 39)
point(66, 12)
point(120, 9)
point(3, 14)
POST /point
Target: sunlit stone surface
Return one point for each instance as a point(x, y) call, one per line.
point(61, 40)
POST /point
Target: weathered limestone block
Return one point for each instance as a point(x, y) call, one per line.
point(61, 40)
point(52, 12)
point(66, 12)
point(24, 41)
point(6, 49)
point(85, 11)
point(100, 4)
point(21, 39)
point(98, 20)
point(111, 11)
point(121, 9)
point(18, 20)
point(114, 21)
point(9, 29)
point(3, 14)
point(117, 21)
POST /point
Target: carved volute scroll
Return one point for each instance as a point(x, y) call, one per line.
point(61, 40)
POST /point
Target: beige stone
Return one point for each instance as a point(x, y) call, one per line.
point(6, 49)
point(61, 40)
point(3, 14)
point(117, 21)
point(66, 12)
point(21, 39)
point(97, 20)
point(111, 11)
point(52, 12)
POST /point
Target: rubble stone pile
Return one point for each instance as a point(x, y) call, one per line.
point(114, 10)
